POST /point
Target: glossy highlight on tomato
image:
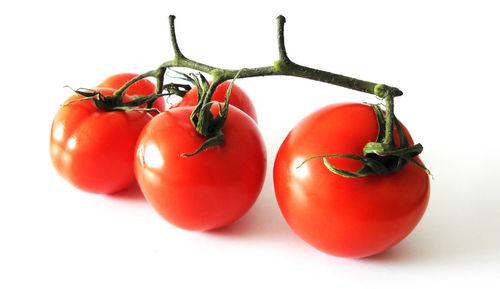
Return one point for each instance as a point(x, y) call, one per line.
point(237, 98)
point(94, 149)
point(142, 87)
point(347, 217)
point(206, 191)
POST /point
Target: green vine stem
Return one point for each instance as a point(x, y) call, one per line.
point(283, 66)
point(379, 157)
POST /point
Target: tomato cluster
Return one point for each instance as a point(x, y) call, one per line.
point(97, 151)
point(105, 151)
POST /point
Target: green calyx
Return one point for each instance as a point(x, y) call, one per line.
point(381, 156)
point(204, 121)
point(115, 102)
point(177, 89)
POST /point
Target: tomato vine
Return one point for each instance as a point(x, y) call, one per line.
point(380, 157)
point(283, 66)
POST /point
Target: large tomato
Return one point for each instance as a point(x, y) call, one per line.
point(208, 190)
point(94, 149)
point(349, 217)
point(141, 87)
point(237, 98)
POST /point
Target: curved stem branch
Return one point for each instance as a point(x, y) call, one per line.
point(389, 121)
point(122, 89)
point(173, 38)
point(281, 39)
point(283, 66)
point(160, 76)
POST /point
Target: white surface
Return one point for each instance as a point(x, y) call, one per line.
point(442, 54)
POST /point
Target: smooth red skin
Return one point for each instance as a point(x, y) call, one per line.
point(94, 149)
point(141, 87)
point(209, 190)
point(237, 98)
point(347, 217)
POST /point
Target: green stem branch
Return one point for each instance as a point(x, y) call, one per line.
point(379, 157)
point(283, 66)
point(389, 121)
point(122, 89)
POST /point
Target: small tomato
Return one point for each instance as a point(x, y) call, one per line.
point(94, 149)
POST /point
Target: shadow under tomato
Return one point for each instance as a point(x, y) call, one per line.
point(262, 221)
point(399, 253)
point(440, 240)
point(132, 193)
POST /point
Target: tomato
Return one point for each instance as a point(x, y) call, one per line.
point(94, 149)
point(348, 217)
point(206, 191)
point(237, 98)
point(141, 87)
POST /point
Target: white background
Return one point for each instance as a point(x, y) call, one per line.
point(442, 54)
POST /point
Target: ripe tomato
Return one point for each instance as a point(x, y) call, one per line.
point(141, 87)
point(348, 217)
point(94, 149)
point(206, 191)
point(237, 98)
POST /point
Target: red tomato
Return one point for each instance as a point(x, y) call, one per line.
point(141, 87)
point(237, 98)
point(206, 191)
point(94, 149)
point(348, 217)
